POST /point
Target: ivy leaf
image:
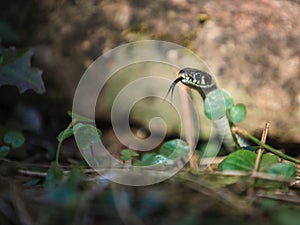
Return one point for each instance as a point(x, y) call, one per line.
point(86, 135)
point(153, 159)
point(148, 159)
point(227, 98)
point(216, 103)
point(237, 113)
point(14, 138)
point(127, 154)
point(243, 160)
point(4, 151)
point(62, 191)
point(55, 176)
point(65, 134)
point(15, 69)
point(174, 149)
point(287, 170)
point(159, 159)
point(75, 176)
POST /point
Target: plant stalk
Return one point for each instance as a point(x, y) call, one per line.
point(265, 146)
point(62, 140)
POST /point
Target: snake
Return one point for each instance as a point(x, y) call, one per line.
point(204, 84)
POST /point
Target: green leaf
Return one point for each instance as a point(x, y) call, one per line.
point(159, 159)
point(64, 191)
point(216, 103)
point(237, 113)
point(75, 176)
point(148, 159)
point(86, 135)
point(4, 151)
point(55, 176)
point(243, 160)
point(152, 159)
point(174, 149)
point(267, 161)
point(65, 134)
point(228, 99)
point(16, 70)
point(286, 170)
point(127, 154)
point(77, 126)
point(79, 118)
point(14, 138)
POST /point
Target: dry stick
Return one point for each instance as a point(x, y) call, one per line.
point(260, 150)
point(258, 159)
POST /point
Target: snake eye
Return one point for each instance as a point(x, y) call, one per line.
point(182, 73)
point(196, 75)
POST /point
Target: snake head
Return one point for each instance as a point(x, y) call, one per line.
point(195, 78)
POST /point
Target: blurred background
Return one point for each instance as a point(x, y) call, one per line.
point(251, 47)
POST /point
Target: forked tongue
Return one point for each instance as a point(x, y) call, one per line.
point(172, 87)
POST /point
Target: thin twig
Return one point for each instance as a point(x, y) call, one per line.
point(260, 150)
point(258, 160)
point(257, 175)
point(44, 174)
point(33, 173)
point(291, 199)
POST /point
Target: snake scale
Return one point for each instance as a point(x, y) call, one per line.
point(204, 83)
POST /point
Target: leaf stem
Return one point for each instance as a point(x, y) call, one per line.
point(62, 140)
point(231, 126)
point(265, 146)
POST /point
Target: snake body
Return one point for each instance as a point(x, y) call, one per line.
point(204, 83)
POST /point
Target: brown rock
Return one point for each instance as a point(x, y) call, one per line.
point(253, 48)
